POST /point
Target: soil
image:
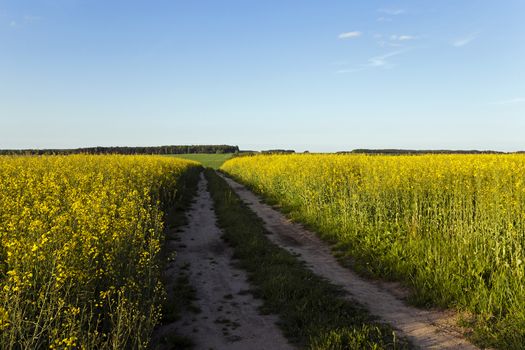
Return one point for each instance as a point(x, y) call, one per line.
point(229, 317)
point(427, 329)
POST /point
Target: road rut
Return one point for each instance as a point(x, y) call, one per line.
point(426, 329)
point(229, 317)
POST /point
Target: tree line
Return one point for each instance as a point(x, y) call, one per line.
point(412, 151)
point(171, 149)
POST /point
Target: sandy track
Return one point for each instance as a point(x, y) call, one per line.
point(228, 320)
point(426, 329)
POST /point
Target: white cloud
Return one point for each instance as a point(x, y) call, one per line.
point(384, 19)
point(381, 61)
point(349, 35)
point(374, 62)
point(402, 37)
point(392, 11)
point(19, 21)
point(460, 42)
point(394, 40)
point(386, 43)
point(510, 101)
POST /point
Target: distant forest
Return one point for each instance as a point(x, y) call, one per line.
point(278, 151)
point(411, 151)
point(220, 149)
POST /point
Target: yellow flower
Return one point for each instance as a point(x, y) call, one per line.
point(71, 226)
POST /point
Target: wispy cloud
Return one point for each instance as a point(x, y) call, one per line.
point(392, 11)
point(350, 70)
point(394, 40)
point(402, 37)
point(510, 101)
point(460, 42)
point(20, 21)
point(381, 61)
point(349, 35)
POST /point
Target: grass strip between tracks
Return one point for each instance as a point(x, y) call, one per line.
point(313, 312)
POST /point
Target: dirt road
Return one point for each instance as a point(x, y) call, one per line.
point(425, 329)
point(229, 317)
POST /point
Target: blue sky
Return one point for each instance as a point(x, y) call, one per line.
point(318, 75)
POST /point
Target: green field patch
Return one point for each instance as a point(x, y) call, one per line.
point(213, 160)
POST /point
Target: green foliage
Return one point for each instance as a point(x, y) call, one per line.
point(211, 160)
point(449, 226)
point(181, 300)
point(313, 313)
point(80, 240)
point(366, 337)
point(158, 150)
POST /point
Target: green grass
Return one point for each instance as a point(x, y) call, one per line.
point(449, 227)
point(213, 160)
point(313, 312)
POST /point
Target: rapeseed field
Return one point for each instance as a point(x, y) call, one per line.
point(79, 249)
point(451, 227)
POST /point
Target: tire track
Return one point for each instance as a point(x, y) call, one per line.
point(427, 329)
point(229, 317)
